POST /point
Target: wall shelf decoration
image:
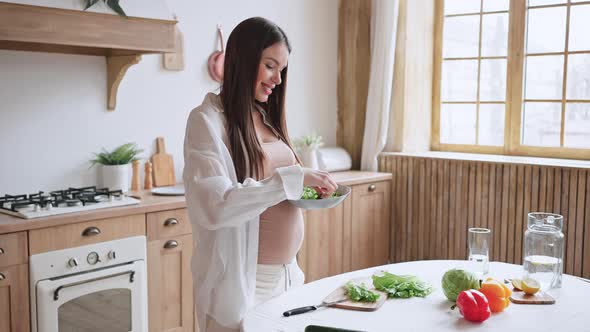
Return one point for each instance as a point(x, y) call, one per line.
point(120, 40)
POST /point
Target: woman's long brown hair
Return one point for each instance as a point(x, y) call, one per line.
point(242, 58)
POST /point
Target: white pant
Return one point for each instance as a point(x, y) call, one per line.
point(271, 280)
point(274, 280)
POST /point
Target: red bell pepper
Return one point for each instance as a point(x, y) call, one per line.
point(473, 305)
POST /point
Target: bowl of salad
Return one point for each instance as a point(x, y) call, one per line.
point(312, 200)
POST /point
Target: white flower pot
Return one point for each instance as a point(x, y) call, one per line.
point(309, 157)
point(115, 177)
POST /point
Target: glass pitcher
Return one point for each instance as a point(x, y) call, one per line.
point(543, 249)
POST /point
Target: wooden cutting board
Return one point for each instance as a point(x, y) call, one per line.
point(163, 165)
point(538, 298)
point(340, 293)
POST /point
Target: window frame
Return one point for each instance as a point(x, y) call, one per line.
point(514, 88)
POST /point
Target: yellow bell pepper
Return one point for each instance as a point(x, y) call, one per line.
point(497, 293)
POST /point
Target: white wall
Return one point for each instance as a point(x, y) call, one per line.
point(53, 107)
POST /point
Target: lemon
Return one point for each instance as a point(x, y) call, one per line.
point(517, 284)
point(530, 286)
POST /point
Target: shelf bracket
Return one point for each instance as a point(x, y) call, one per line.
point(116, 68)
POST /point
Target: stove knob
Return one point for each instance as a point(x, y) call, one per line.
point(112, 255)
point(72, 262)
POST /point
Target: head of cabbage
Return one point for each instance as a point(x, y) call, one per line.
point(456, 280)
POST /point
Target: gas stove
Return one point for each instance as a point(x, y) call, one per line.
point(57, 202)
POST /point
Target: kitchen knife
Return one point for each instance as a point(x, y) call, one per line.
point(303, 310)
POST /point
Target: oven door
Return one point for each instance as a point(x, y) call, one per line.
point(112, 299)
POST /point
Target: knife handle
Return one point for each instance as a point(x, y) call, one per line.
point(298, 311)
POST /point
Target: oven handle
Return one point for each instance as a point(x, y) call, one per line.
point(56, 293)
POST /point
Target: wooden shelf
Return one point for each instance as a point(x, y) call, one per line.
point(121, 40)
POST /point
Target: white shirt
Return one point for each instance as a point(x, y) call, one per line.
point(224, 216)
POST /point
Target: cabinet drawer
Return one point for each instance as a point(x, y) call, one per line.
point(167, 223)
point(13, 249)
point(75, 235)
point(371, 187)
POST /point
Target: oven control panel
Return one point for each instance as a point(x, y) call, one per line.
point(89, 257)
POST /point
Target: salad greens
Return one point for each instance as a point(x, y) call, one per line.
point(401, 286)
point(311, 193)
point(360, 293)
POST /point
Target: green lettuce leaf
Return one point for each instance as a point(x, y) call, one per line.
point(401, 286)
point(360, 293)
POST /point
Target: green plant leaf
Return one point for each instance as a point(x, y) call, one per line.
point(90, 3)
point(114, 5)
point(122, 155)
point(313, 141)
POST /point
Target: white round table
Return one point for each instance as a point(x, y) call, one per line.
point(571, 312)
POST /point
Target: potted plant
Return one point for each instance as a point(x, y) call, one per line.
point(307, 147)
point(114, 166)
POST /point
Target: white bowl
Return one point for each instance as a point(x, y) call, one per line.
point(324, 203)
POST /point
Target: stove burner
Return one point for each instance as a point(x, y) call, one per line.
point(73, 202)
point(59, 198)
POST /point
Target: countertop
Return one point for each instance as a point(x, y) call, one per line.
point(150, 203)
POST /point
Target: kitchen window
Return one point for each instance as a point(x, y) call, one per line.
point(512, 77)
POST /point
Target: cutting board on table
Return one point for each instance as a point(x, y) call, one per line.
point(162, 165)
point(538, 298)
point(340, 293)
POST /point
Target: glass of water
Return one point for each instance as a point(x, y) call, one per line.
point(479, 249)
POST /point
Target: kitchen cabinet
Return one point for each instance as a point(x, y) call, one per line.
point(14, 283)
point(170, 283)
point(350, 236)
point(324, 250)
point(169, 250)
point(370, 226)
point(14, 298)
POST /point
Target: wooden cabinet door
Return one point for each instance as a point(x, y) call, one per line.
point(170, 285)
point(370, 230)
point(326, 246)
point(14, 298)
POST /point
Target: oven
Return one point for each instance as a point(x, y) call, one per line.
point(98, 287)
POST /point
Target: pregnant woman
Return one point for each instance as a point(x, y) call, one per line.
point(240, 169)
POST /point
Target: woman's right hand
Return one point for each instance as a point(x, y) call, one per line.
point(320, 180)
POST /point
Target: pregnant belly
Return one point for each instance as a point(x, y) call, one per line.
point(280, 234)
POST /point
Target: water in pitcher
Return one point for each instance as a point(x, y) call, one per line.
point(544, 269)
point(543, 249)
